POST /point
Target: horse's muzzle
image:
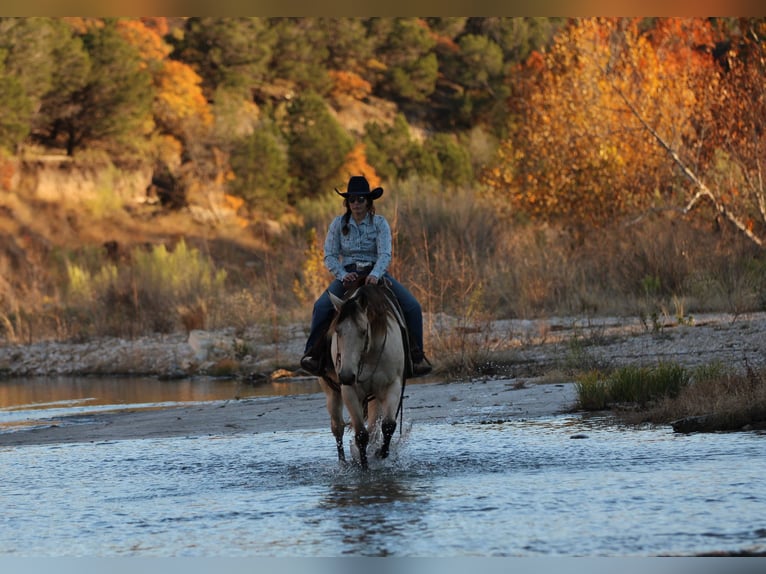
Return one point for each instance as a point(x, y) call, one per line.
point(346, 379)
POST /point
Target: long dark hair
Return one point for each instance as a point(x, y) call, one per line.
point(347, 215)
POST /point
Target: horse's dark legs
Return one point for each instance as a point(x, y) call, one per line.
point(389, 426)
point(356, 412)
point(335, 410)
point(339, 444)
point(362, 438)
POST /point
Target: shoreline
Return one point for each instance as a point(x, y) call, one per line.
point(532, 354)
point(424, 403)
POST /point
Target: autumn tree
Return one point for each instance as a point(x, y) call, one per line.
point(180, 107)
point(718, 148)
point(577, 153)
point(356, 164)
point(728, 147)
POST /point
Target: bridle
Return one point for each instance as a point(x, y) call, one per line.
point(365, 352)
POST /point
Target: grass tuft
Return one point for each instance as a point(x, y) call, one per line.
point(630, 386)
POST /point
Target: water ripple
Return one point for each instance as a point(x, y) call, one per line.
point(521, 488)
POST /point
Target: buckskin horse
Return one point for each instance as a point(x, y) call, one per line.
point(368, 360)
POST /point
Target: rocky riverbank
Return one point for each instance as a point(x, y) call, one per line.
point(524, 347)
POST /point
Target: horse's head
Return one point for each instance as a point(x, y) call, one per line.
point(359, 321)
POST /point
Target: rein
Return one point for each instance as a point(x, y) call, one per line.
point(380, 354)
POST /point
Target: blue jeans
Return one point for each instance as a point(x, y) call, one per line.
point(413, 314)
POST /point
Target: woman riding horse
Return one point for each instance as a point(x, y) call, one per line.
point(358, 245)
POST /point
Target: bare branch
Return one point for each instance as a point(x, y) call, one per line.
point(703, 191)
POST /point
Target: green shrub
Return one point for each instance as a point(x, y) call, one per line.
point(260, 165)
point(592, 392)
point(631, 384)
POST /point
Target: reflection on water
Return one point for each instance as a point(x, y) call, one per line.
point(373, 511)
point(25, 400)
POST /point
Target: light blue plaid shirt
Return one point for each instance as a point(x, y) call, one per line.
point(367, 242)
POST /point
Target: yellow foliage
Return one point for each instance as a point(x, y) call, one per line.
point(315, 276)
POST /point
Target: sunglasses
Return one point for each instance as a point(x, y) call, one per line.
point(355, 198)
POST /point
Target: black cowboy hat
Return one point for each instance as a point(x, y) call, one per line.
point(358, 185)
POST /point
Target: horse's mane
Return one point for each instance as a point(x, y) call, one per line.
point(371, 298)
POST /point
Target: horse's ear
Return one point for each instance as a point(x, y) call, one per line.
point(336, 301)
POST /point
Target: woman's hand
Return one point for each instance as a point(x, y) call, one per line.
point(350, 278)
point(371, 280)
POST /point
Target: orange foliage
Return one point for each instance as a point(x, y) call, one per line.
point(578, 154)
point(180, 96)
point(157, 23)
point(349, 84)
point(7, 173)
point(356, 164)
point(235, 203)
point(147, 40)
point(81, 24)
point(232, 201)
point(732, 140)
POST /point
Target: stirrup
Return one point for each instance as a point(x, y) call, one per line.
point(422, 367)
point(310, 364)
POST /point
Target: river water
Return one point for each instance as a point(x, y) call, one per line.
point(545, 487)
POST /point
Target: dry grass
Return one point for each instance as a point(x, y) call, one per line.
point(449, 245)
point(457, 257)
point(467, 268)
